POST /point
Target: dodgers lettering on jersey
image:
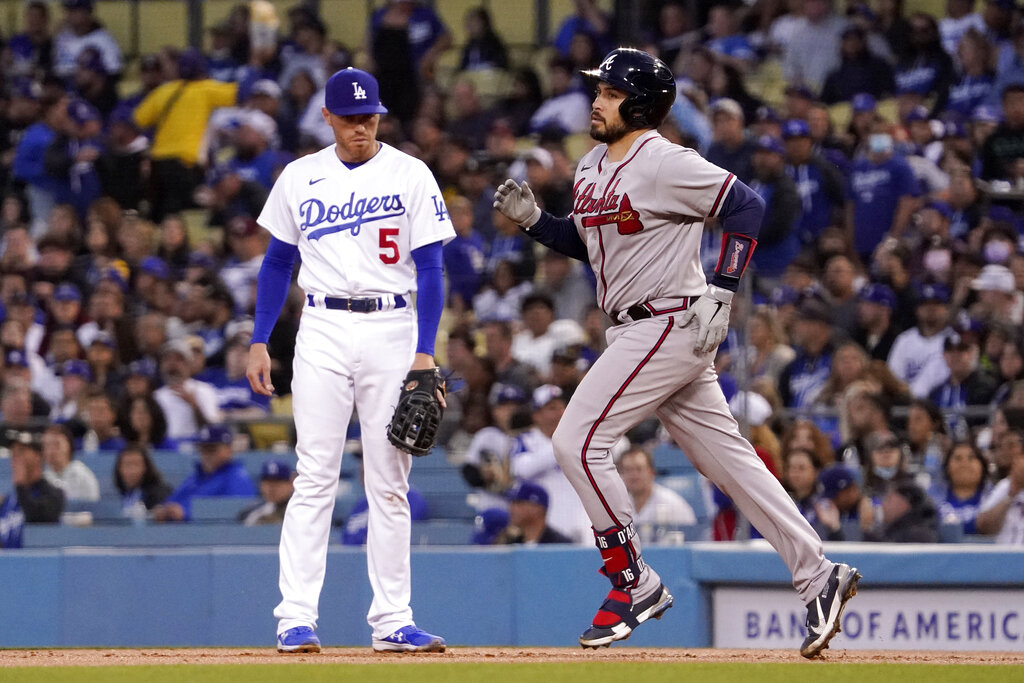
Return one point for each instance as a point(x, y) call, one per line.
point(642, 219)
point(356, 228)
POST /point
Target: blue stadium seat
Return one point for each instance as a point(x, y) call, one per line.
point(107, 510)
point(449, 506)
point(150, 535)
point(670, 460)
point(441, 480)
point(442, 532)
point(689, 487)
point(220, 508)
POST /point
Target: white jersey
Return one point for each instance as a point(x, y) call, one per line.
point(918, 360)
point(1012, 531)
point(642, 219)
point(356, 228)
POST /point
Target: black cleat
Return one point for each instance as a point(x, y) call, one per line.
point(823, 612)
point(618, 616)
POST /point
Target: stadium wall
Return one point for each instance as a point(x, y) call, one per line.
point(935, 597)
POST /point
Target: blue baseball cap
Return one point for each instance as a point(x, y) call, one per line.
point(352, 92)
point(862, 102)
point(155, 266)
point(782, 295)
point(770, 143)
point(933, 292)
point(76, 368)
point(954, 129)
point(278, 470)
point(506, 393)
point(944, 209)
point(217, 433)
point(836, 478)
point(82, 112)
point(796, 128)
point(799, 90)
point(105, 338)
point(985, 113)
point(766, 114)
point(488, 524)
point(67, 292)
point(146, 367)
point(16, 358)
point(545, 394)
point(877, 293)
point(201, 259)
point(918, 113)
point(527, 491)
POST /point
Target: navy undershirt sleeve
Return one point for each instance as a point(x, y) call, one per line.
point(741, 215)
point(559, 234)
point(429, 294)
point(272, 283)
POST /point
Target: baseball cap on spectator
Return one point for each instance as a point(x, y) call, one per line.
point(545, 394)
point(918, 113)
point(488, 524)
point(15, 358)
point(76, 368)
point(567, 353)
point(179, 346)
point(191, 64)
point(215, 433)
point(275, 470)
point(728, 106)
point(26, 88)
point(506, 393)
point(835, 479)
point(104, 338)
point(243, 226)
point(877, 293)
point(527, 491)
point(353, 92)
point(81, 112)
point(144, 367)
point(813, 308)
point(200, 259)
point(114, 274)
point(796, 128)
point(944, 209)
point(259, 122)
point(77, 4)
point(240, 328)
point(66, 291)
point(995, 278)
point(751, 407)
point(155, 266)
point(960, 340)
point(985, 113)
point(799, 90)
point(862, 102)
point(766, 114)
point(881, 440)
point(91, 60)
point(770, 143)
point(954, 129)
point(267, 87)
point(541, 156)
point(930, 292)
point(782, 295)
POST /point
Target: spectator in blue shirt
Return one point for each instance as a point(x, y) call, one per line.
point(959, 496)
point(977, 77)
point(778, 242)
point(464, 257)
point(818, 182)
point(12, 522)
point(725, 41)
point(217, 473)
point(234, 394)
point(32, 49)
point(805, 377)
point(883, 191)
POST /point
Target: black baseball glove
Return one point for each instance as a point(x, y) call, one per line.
point(417, 417)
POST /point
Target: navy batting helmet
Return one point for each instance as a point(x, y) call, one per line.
point(646, 80)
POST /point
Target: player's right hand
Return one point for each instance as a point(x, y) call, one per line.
point(257, 370)
point(517, 202)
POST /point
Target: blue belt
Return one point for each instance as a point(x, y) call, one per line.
point(356, 305)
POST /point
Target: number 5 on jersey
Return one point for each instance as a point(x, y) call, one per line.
point(389, 245)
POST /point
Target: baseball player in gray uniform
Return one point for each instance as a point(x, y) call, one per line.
point(640, 206)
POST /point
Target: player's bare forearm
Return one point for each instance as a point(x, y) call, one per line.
point(423, 361)
point(257, 370)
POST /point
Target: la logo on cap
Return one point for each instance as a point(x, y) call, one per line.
point(359, 93)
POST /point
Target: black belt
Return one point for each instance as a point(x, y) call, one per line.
point(356, 305)
point(642, 312)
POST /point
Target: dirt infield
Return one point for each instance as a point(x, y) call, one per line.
point(169, 656)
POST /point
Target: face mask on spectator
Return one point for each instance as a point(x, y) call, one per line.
point(997, 251)
point(885, 473)
point(937, 261)
point(880, 143)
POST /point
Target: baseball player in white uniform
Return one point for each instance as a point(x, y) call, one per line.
point(639, 211)
point(368, 222)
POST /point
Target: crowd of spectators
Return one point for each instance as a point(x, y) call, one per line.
point(877, 357)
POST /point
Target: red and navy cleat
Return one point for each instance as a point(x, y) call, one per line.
point(618, 616)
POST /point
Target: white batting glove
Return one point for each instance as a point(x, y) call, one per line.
point(711, 311)
point(517, 203)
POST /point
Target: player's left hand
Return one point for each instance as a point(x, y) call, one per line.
point(711, 311)
point(257, 370)
point(517, 203)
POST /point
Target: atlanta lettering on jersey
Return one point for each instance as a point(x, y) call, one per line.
point(609, 208)
point(314, 213)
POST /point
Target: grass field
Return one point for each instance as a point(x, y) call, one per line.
point(419, 671)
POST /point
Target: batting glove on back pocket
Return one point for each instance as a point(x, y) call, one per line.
point(517, 203)
point(711, 313)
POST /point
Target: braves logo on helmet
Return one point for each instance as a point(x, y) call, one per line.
point(648, 83)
